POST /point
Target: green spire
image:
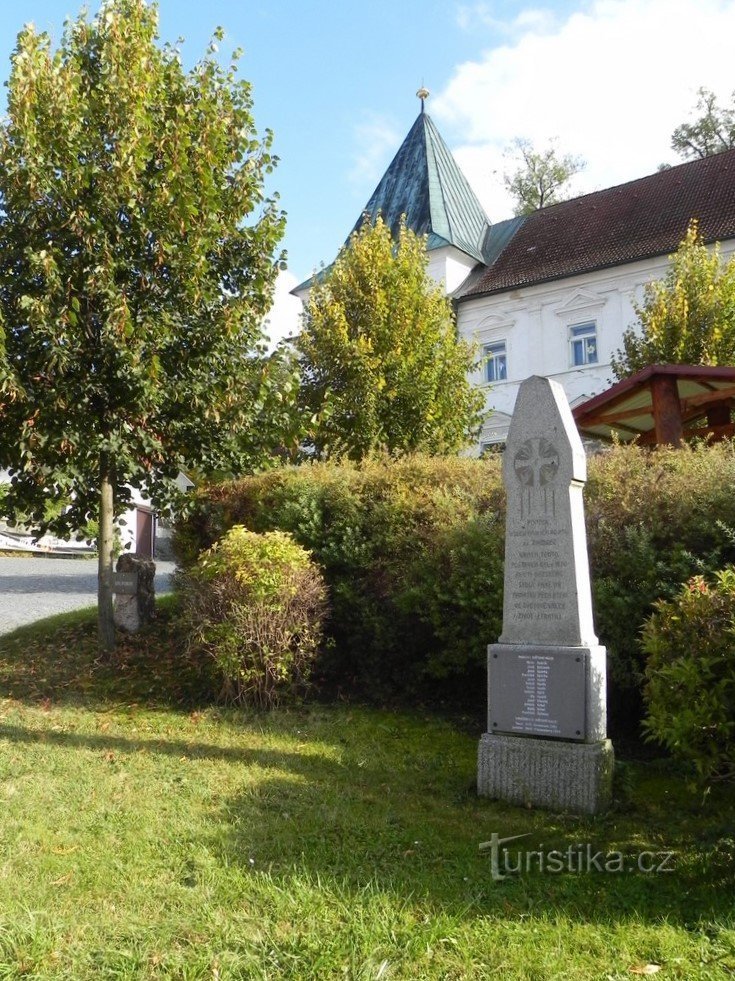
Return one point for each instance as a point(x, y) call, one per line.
point(424, 182)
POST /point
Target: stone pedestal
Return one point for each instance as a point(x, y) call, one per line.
point(546, 742)
point(548, 773)
point(134, 592)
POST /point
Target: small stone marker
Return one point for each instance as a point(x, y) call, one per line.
point(125, 583)
point(546, 742)
point(135, 593)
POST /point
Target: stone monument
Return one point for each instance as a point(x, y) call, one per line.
point(546, 743)
point(135, 592)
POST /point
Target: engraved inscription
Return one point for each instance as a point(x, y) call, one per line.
point(539, 693)
point(125, 583)
point(534, 715)
point(538, 586)
point(547, 597)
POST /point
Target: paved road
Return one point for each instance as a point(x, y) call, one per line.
point(34, 588)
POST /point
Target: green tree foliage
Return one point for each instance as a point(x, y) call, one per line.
point(688, 317)
point(136, 266)
point(540, 177)
point(712, 131)
point(381, 364)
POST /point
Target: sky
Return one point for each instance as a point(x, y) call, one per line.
point(607, 80)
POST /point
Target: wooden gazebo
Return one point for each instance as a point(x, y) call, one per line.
point(663, 404)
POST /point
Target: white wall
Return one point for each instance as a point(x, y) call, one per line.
point(450, 267)
point(534, 322)
point(447, 265)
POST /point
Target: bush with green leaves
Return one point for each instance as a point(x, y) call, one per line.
point(654, 520)
point(254, 604)
point(413, 548)
point(690, 675)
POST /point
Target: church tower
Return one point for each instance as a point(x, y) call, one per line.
point(424, 183)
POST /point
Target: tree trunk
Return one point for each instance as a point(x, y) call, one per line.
point(105, 622)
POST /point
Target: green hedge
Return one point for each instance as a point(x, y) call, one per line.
point(654, 520)
point(412, 551)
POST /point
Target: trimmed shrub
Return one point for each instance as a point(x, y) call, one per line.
point(690, 675)
point(386, 533)
point(413, 549)
point(254, 605)
point(654, 520)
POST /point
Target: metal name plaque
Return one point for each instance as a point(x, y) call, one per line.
point(537, 691)
point(125, 583)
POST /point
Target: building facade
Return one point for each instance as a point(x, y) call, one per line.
point(567, 330)
point(551, 293)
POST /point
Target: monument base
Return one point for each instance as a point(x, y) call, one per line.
point(548, 773)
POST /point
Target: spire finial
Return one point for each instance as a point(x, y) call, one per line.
point(422, 94)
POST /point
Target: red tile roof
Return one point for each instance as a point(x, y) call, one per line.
point(643, 218)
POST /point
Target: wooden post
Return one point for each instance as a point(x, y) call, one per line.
point(666, 410)
point(718, 414)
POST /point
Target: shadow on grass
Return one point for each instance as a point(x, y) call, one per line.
point(415, 833)
point(385, 803)
point(312, 766)
point(57, 659)
point(389, 803)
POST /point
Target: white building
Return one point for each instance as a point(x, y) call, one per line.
point(139, 529)
point(553, 292)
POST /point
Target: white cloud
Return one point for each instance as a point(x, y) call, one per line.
point(611, 82)
point(479, 15)
point(469, 16)
point(283, 319)
point(539, 20)
point(376, 141)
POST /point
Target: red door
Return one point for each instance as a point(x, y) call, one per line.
point(144, 533)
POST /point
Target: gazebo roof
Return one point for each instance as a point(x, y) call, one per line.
point(663, 404)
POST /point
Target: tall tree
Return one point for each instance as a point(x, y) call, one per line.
point(136, 266)
point(541, 176)
point(381, 364)
point(688, 317)
point(712, 132)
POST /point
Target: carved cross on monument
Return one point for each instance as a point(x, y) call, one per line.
point(536, 466)
point(536, 462)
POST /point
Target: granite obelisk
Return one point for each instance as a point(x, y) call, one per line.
point(546, 743)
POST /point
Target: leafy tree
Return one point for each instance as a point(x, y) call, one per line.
point(541, 176)
point(688, 317)
point(710, 133)
point(381, 364)
point(136, 266)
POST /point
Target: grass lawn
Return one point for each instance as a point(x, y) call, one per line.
point(146, 836)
